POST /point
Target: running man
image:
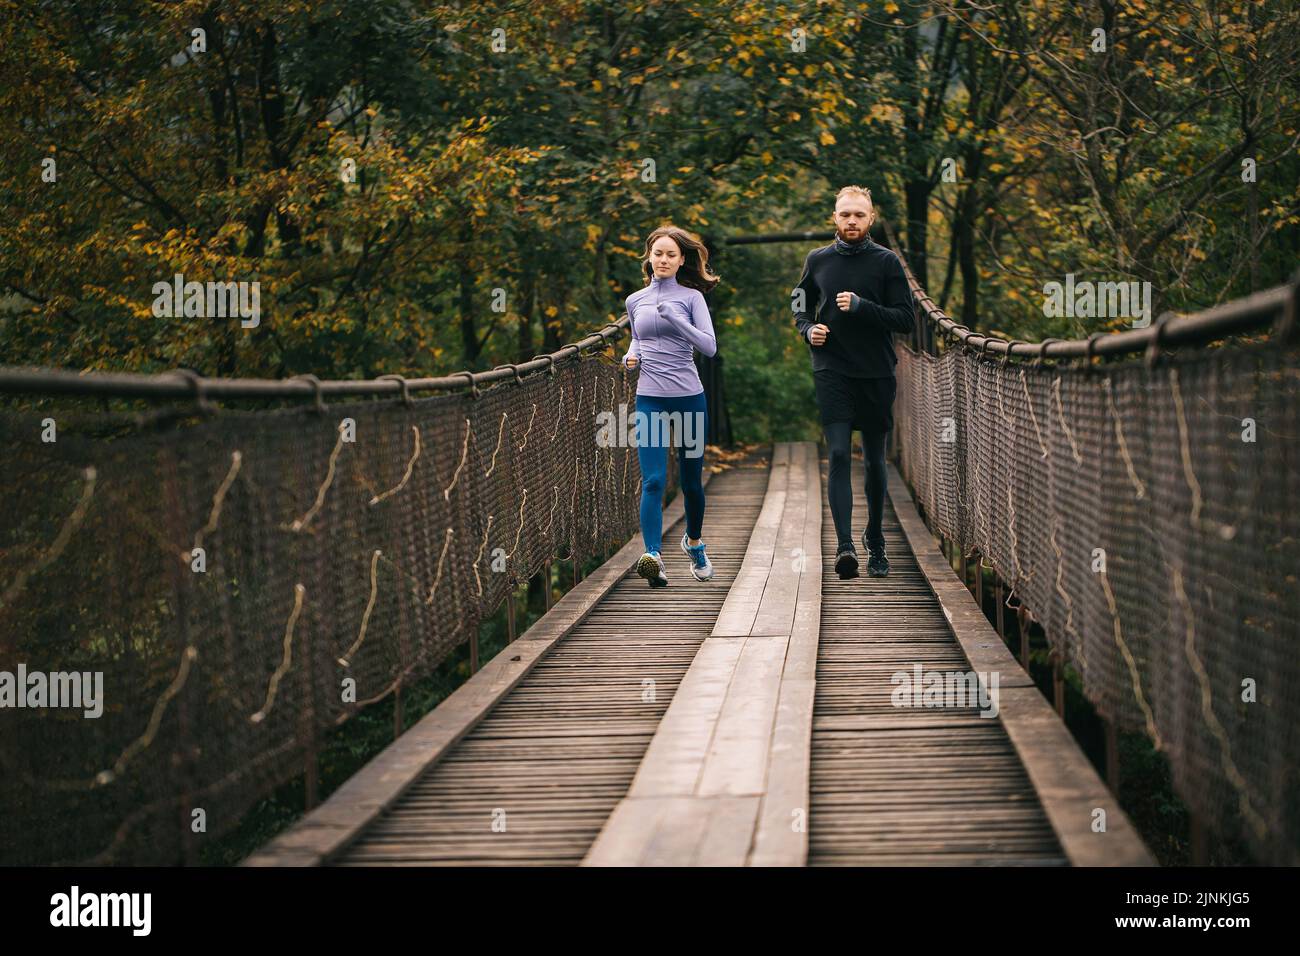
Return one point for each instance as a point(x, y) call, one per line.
point(669, 318)
point(850, 300)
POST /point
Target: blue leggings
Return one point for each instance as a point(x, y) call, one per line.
point(652, 453)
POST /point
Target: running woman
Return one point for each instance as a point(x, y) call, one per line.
point(668, 319)
point(858, 293)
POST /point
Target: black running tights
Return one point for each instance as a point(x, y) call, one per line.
point(839, 439)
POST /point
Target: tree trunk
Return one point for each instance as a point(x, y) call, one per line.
point(465, 301)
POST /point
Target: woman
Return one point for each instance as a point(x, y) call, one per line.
point(668, 319)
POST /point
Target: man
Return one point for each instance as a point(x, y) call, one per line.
point(850, 300)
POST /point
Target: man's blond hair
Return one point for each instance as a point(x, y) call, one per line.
point(853, 190)
point(857, 191)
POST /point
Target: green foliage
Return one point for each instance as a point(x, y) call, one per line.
point(524, 169)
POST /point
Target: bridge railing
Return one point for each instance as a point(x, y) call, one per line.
point(1145, 510)
point(242, 581)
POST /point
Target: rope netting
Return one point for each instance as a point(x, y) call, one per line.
point(346, 550)
point(1147, 514)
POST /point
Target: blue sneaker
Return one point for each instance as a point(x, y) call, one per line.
point(651, 567)
point(701, 567)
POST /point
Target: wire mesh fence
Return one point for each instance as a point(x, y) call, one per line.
point(1147, 514)
point(240, 582)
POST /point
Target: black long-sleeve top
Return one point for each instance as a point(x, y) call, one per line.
point(860, 343)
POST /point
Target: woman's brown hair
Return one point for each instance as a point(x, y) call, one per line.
point(694, 271)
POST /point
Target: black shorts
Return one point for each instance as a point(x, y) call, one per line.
point(868, 403)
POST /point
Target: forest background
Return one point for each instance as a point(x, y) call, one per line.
point(420, 188)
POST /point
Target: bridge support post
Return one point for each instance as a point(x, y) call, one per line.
point(1112, 755)
point(1058, 685)
point(546, 583)
point(311, 766)
point(1001, 615)
point(189, 852)
point(404, 656)
point(1200, 846)
point(979, 580)
point(510, 616)
point(961, 559)
point(1022, 620)
point(313, 777)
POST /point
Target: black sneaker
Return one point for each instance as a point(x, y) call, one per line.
point(877, 563)
point(846, 563)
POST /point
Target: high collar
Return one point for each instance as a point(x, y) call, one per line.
point(669, 282)
point(851, 248)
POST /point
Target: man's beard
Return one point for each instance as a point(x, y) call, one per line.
point(857, 237)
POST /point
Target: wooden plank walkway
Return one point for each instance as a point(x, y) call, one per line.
point(744, 721)
point(528, 765)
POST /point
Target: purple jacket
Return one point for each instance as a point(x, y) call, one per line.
point(668, 320)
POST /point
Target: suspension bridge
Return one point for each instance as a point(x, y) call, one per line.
point(248, 580)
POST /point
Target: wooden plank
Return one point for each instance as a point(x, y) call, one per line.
point(331, 827)
point(676, 834)
point(737, 760)
point(736, 619)
point(729, 832)
point(677, 831)
point(675, 758)
point(632, 832)
point(776, 608)
point(781, 837)
point(801, 657)
point(1067, 786)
